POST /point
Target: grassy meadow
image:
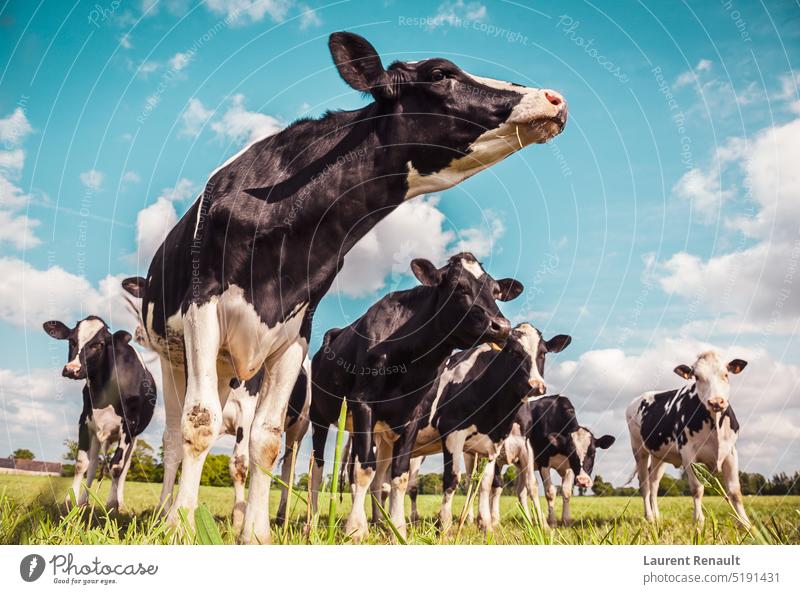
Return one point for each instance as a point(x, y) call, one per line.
point(31, 512)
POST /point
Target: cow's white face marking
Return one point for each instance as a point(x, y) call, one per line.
point(711, 379)
point(472, 267)
point(582, 439)
point(531, 121)
point(530, 340)
point(87, 330)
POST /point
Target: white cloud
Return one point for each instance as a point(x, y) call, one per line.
point(131, 177)
point(15, 229)
point(308, 17)
point(180, 61)
point(690, 76)
point(240, 125)
point(703, 191)
point(601, 383)
point(241, 12)
point(30, 296)
point(125, 41)
point(788, 93)
point(754, 284)
point(415, 229)
point(455, 12)
point(18, 230)
point(194, 117)
point(147, 68)
point(92, 179)
point(14, 128)
point(154, 222)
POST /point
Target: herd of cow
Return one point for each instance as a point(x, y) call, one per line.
point(229, 298)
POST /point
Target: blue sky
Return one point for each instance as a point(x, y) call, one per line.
point(663, 221)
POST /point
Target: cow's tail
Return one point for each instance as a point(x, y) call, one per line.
point(630, 478)
point(134, 288)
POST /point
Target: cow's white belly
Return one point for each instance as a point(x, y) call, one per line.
point(105, 423)
point(481, 445)
point(711, 447)
point(245, 341)
point(668, 453)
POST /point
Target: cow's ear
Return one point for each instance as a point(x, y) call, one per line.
point(604, 442)
point(135, 285)
point(359, 64)
point(508, 289)
point(426, 272)
point(56, 329)
point(684, 371)
point(122, 336)
point(558, 343)
point(737, 365)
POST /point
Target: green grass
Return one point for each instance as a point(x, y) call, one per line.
point(30, 512)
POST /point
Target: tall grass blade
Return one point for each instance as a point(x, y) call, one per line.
point(337, 459)
point(389, 522)
point(206, 527)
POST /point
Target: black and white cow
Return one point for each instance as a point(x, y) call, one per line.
point(549, 427)
point(236, 281)
point(694, 424)
point(472, 408)
point(386, 361)
point(118, 400)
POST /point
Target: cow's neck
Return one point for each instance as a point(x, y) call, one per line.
point(98, 380)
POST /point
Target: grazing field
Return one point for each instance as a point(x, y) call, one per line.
point(30, 513)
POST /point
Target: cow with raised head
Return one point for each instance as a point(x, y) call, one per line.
point(386, 361)
point(119, 396)
point(235, 283)
point(549, 428)
point(472, 408)
point(693, 424)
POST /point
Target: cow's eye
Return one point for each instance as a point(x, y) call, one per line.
point(438, 75)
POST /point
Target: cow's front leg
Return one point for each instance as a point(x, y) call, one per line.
point(202, 410)
point(294, 434)
point(265, 437)
point(484, 507)
point(363, 469)
point(174, 385)
point(452, 450)
point(730, 476)
point(401, 465)
point(497, 493)
point(240, 461)
point(567, 482)
point(470, 464)
point(655, 473)
point(85, 464)
point(549, 494)
point(528, 474)
point(383, 464)
point(413, 486)
point(119, 470)
point(695, 486)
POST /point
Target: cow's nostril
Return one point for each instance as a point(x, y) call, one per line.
point(500, 327)
point(554, 99)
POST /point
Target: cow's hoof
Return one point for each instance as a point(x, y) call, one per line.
point(552, 522)
point(485, 525)
point(357, 529)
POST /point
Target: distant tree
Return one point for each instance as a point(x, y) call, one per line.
point(215, 471)
point(301, 484)
point(144, 467)
point(510, 480)
point(72, 450)
point(429, 484)
point(602, 488)
point(23, 454)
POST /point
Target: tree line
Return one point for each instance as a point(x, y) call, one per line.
point(148, 467)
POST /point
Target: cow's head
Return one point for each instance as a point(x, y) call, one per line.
point(87, 344)
point(452, 123)
point(711, 379)
point(526, 349)
point(580, 448)
point(466, 299)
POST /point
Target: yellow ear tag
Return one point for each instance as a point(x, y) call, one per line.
point(495, 346)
